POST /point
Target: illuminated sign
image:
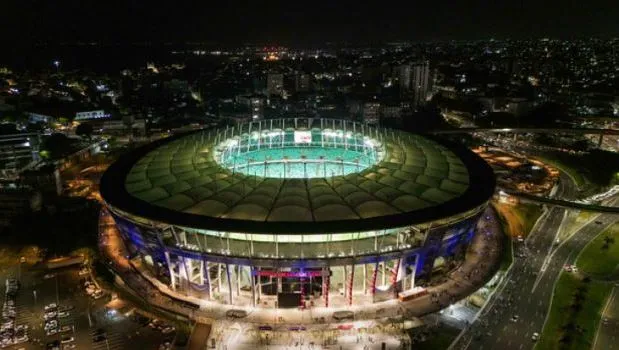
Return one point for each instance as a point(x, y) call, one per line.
point(284, 274)
point(302, 137)
point(99, 114)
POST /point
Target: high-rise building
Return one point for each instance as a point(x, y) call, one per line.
point(256, 104)
point(403, 74)
point(302, 82)
point(371, 112)
point(420, 77)
point(275, 84)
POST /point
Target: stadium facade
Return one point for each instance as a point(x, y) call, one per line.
point(290, 212)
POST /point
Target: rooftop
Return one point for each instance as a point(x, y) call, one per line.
point(179, 181)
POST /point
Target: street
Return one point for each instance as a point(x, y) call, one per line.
point(520, 306)
point(521, 303)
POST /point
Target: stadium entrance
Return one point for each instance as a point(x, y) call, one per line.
point(292, 287)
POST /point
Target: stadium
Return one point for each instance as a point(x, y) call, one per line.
point(298, 212)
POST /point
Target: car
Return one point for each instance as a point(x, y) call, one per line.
point(20, 338)
point(66, 328)
point(98, 338)
point(50, 315)
point(167, 329)
point(598, 222)
point(514, 318)
point(51, 324)
point(535, 336)
point(49, 275)
point(99, 331)
point(51, 331)
point(66, 340)
point(97, 294)
point(84, 272)
point(55, 345)
point(69, 346)
point(50, 306)
point(66, 308)
point(64, 314)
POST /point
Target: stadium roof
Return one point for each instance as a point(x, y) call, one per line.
point(177, 181)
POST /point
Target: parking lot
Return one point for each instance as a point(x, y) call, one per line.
point(60, 314)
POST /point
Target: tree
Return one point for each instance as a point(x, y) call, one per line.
point(550, 114)
point(57, 145)
point(84, 130)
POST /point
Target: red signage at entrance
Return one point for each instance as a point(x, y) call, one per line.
point(299, 274)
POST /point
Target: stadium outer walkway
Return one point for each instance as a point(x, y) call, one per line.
point(482, 260)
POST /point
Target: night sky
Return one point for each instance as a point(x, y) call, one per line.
point(301, 22)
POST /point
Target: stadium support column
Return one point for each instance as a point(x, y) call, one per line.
point(171, 270)
point(414, 272)
point(344, 281)
point(350, 284)
point(374, 276)
point(201, 274)
point(384, 275)
point(396, 275)
point(252, 278)
point(239, 269)
point(207, 273)
point(365, 278)
point(229, 283)
point(280, 288)
point(259, 283)
point(326, 284)
point(219, 277)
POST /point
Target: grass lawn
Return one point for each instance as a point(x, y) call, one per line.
point(518, 218)
point(586, 319)
point(515, 220)
point(601, 263)
point(573, 173)
point(589, 316)
point(596, 167)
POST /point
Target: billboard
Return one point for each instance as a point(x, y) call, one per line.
point(302, 137)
